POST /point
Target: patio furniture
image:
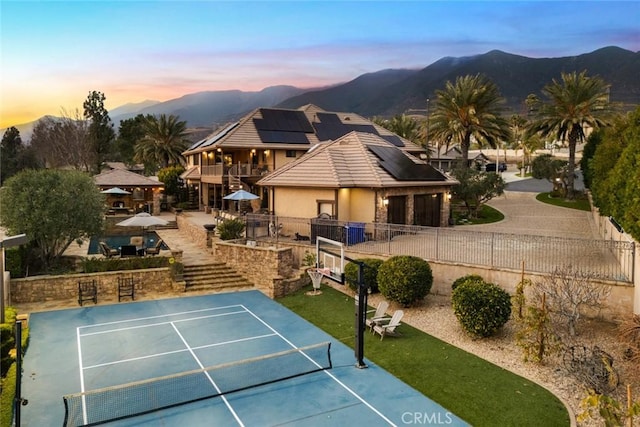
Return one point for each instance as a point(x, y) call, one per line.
point(126, 288)
point(128, 250)
point(107, 250)
point(378, 315)
point(87, 291)
point(155, 250)
point(389, 328)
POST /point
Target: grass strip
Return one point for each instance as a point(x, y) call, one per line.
point(478, 391)
point(581, 203)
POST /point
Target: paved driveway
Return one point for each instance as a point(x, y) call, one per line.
point(526, 215)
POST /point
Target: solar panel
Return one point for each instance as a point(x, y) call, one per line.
point(394, 139)
point(276, 136)
point(401, 167)
point(330, 127)
point(283, 120)
point(209, 141)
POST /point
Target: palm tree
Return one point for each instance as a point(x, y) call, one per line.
point(469, 108)
point(402, 125)
point(164, 141)
point(576, 103)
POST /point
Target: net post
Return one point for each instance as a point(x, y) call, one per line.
point(17, 400)
point(361, 313)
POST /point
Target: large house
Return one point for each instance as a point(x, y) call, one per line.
point(243, 154)
point(361, 177)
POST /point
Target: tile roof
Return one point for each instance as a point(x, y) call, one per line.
point(324, 126)
point(347, 163)
point(124, 178)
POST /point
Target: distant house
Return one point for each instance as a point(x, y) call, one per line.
point(145, 193)
point(360, 177)
point(449, 158)
point(137, 168)
point(242, 153)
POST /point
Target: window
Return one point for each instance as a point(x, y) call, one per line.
point(291, 153)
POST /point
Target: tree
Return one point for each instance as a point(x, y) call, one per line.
point(170, 177)
point(569, 292)
point(101, 133)
point(553, 170)
point(403, 126)
point(469, 109)
point(131, 131)
point(62, 142)
point(164, 141)
point(575, 103)
point(615, 179)
point(53, 208)
point(476, 188)
point(10, 150)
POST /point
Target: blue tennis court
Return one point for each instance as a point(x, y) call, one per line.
point(222, 345)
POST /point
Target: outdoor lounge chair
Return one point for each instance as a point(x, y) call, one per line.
point(126, 288)
point(378, 314)
point(155, 250)
point(389, 328)
point(107, 250)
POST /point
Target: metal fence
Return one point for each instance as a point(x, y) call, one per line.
point(604, 259)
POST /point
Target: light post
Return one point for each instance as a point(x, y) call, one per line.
point(8, 242)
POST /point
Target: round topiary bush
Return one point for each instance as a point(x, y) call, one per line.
point(481, 308)
point(405, 279)
point(370, 271)
point(465, 279)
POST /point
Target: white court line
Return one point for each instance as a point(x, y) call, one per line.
point(133, 359)
point(135, 319)
point(84, 405)
point(356, 395)
point(224, 398)
point(168, 322)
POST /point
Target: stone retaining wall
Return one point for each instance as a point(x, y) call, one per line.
point(197, 233)
point(269, 268)
point(65, 287)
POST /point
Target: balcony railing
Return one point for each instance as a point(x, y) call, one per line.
point(239, 169)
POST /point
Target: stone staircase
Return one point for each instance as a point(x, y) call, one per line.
point(171, 225)
point(215, 276)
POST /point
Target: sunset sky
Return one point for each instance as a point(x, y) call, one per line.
point(53, 53)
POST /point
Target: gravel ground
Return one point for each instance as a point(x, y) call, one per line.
point(435, 317)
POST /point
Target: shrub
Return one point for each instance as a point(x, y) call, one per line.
point(465, 279)
point(405, 279)
point(481, 308)
point(98, 265)
point(7, 396)
point(231, 229)
point(370, 271)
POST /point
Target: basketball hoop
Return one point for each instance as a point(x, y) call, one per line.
point(316, 277)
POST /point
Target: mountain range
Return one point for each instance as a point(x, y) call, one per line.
point(396, 91)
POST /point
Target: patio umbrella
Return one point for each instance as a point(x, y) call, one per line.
point(115, 191)
point(143, 219)
point(241, 195)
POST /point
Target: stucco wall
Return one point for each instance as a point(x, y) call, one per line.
point(617, 306)
point(305, 205)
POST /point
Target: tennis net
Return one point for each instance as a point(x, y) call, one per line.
point(142, 397)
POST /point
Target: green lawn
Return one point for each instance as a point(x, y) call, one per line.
point(486, 215)
point(481, 393)
point(581, 203)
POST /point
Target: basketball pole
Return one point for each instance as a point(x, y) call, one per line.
point(361, 314)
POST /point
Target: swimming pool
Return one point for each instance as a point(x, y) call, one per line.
point(118, 240)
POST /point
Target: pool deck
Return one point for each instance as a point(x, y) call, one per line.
point(192, 253)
